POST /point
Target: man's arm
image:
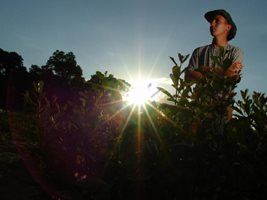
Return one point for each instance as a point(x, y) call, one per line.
point(190, 73)
point(237, 66)
point(234, 69)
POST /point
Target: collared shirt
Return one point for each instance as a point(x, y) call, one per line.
point(202, 56)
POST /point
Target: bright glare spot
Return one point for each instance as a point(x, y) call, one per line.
point(141, 91)
point(138, 95)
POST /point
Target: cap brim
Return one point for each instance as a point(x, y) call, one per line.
point(210, 15)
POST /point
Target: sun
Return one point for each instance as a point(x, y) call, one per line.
point(138, 95)
point(141, 91)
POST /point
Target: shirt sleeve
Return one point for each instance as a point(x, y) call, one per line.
point(193, 62)
point(238, 55)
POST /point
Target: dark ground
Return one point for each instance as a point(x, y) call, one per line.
point(15, 181)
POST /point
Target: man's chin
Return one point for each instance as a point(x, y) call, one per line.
point(212, 34)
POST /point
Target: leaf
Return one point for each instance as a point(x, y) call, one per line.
point(186, 57)
point(181, 57)
point(226, 63)
point(176, 71)
point(165, 92)
point(237, 110)
point(99, 74)
point(173, 61)
point(174, 80)
point(244, 94)
point(170, 99)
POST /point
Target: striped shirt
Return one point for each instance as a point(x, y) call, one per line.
point(202, 56)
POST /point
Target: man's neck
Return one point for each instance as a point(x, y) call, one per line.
point(220, 42)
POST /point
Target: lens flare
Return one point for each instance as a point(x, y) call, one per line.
point(141, 91)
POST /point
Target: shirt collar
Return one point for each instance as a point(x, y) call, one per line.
point(217, 47)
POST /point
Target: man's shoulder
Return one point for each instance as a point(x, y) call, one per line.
point(234, 47)
point(236, 53)
point(229, 46)
point(201, 49)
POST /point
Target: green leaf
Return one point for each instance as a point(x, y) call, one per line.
point(244, 94)
point(186, 57)
point(174, 80)
point(227, 63)
point(99, 74)
point(173, 61)
point(237, 110)
point(176, 71)
point(165, 92)
point(181, 57)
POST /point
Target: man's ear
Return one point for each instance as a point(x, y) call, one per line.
point(228, 27)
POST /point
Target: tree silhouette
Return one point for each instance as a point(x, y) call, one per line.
point(65, 66)
point(14, 80)
point(10, 62)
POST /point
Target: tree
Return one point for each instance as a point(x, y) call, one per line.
point(10, 62)
point(65, 66)
point(14, 80)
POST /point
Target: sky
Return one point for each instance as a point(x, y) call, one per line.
point(131, 37)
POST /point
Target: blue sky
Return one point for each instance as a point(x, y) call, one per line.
point(125, 37)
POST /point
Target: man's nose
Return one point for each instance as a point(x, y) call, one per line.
point(213, 23)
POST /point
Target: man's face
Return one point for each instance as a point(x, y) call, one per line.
point(219, 26)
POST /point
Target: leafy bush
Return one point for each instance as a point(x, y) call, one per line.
point(89, 145)
point(193, 150)
point(67, 140)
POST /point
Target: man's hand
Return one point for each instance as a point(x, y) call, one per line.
point(196, 75)
point(193, 75)
point(234, 69)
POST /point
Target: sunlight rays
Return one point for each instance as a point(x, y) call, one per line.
point(139, 134)
point(127, 120)
point(161, 114)
point(141, 91)
point(140, 95)
point(151, 122)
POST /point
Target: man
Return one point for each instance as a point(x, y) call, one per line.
point(223, 29)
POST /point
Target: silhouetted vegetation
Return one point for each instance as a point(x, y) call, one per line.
point(77, 141)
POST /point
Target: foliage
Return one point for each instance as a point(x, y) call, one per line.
point(70, 138)
point(193, 150)
point(14, 80)
point(83, 142)
point(63, 65)
point(224, 157)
